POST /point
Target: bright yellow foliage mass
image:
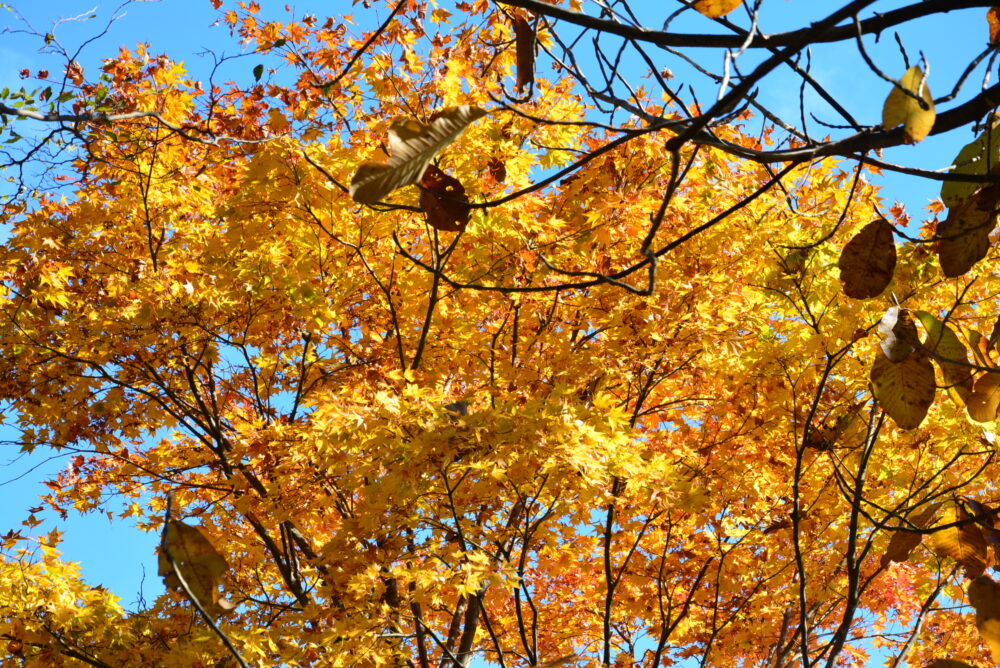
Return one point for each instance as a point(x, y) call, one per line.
point(535, 438)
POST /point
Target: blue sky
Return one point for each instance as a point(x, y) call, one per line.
point(121, 558)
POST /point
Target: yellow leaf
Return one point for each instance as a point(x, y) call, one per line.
point(902, 108)
point(714, 9)
point(965, 543)
point(905, 389)
point(198, 562)
point(984, 595)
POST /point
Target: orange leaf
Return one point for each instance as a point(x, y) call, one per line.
point(984, 595)
point(985, 398)
point(903, 542)
point(714, 9)
point(993, 18)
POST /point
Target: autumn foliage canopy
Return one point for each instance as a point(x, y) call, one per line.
point(435, 342)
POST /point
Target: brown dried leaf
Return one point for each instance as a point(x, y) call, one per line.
point(412, 146)
point(199, 563)
point(965, 233)
point(948, 663)
point(993, 18)
point(984, 595)
point(905, 389)
point(903, 542)
point(965, 543)
point(985, 398)
point(902, 108)
point(868, 260)
point(714, 9)
point(444, 201)
point(900, 334)
point(524, 44)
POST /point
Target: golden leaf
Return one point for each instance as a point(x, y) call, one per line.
point(714, 9)
point(985, 398)
point(868, 261)
point(903, 108)
point(412, 146)
point(199, 563)
point(984, 595)
point(905, 389)
point(965, 543)
point(942, 341)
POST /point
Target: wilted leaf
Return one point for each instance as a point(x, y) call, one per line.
point(524, 44)
point(900, 334)
point(985, 398)
point(977, 157)
point(868, 260)
point(905, 389)
point(199, 564)
point(965, 543)
point(903, 542)
point(412, 146)
point(714, 9)
point(984, 595)
point(904, 109)
point(942, 341)
point(444, 201)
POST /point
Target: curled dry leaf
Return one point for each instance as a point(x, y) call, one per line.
point(944, 343)
point(904, 389)
point(524, 44)
point(714, 9)
point(964, 543)
point(985, 398)
point(903, 542)
point(868, 261)
point(444, 201)
point(199, 563)
point(965, 234)
point(984, 595)
point(900, 334)
point(412, 146)
point(903, 107)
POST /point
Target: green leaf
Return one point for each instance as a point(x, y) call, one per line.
point(258, 72)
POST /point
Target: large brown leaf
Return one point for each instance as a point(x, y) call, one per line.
point(984, 595)
point(965, 233)
point(904, 389)
point(903, 542)
point(412, 146)
point(868, 260)
point(524, 45)
point(965, 543)
point(444, 201)
point(902, 106)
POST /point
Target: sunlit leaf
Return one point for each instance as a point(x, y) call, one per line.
point(965, 234)
point(905, 389)
point(944, 343)
point(716, 8)
point(412, 145)
point(982, 404)
point(977, 157)
point(984, 595)
point(198, 562)
point(868, 260)
point(900, 334)
point(964, 543)
point(903, 107)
